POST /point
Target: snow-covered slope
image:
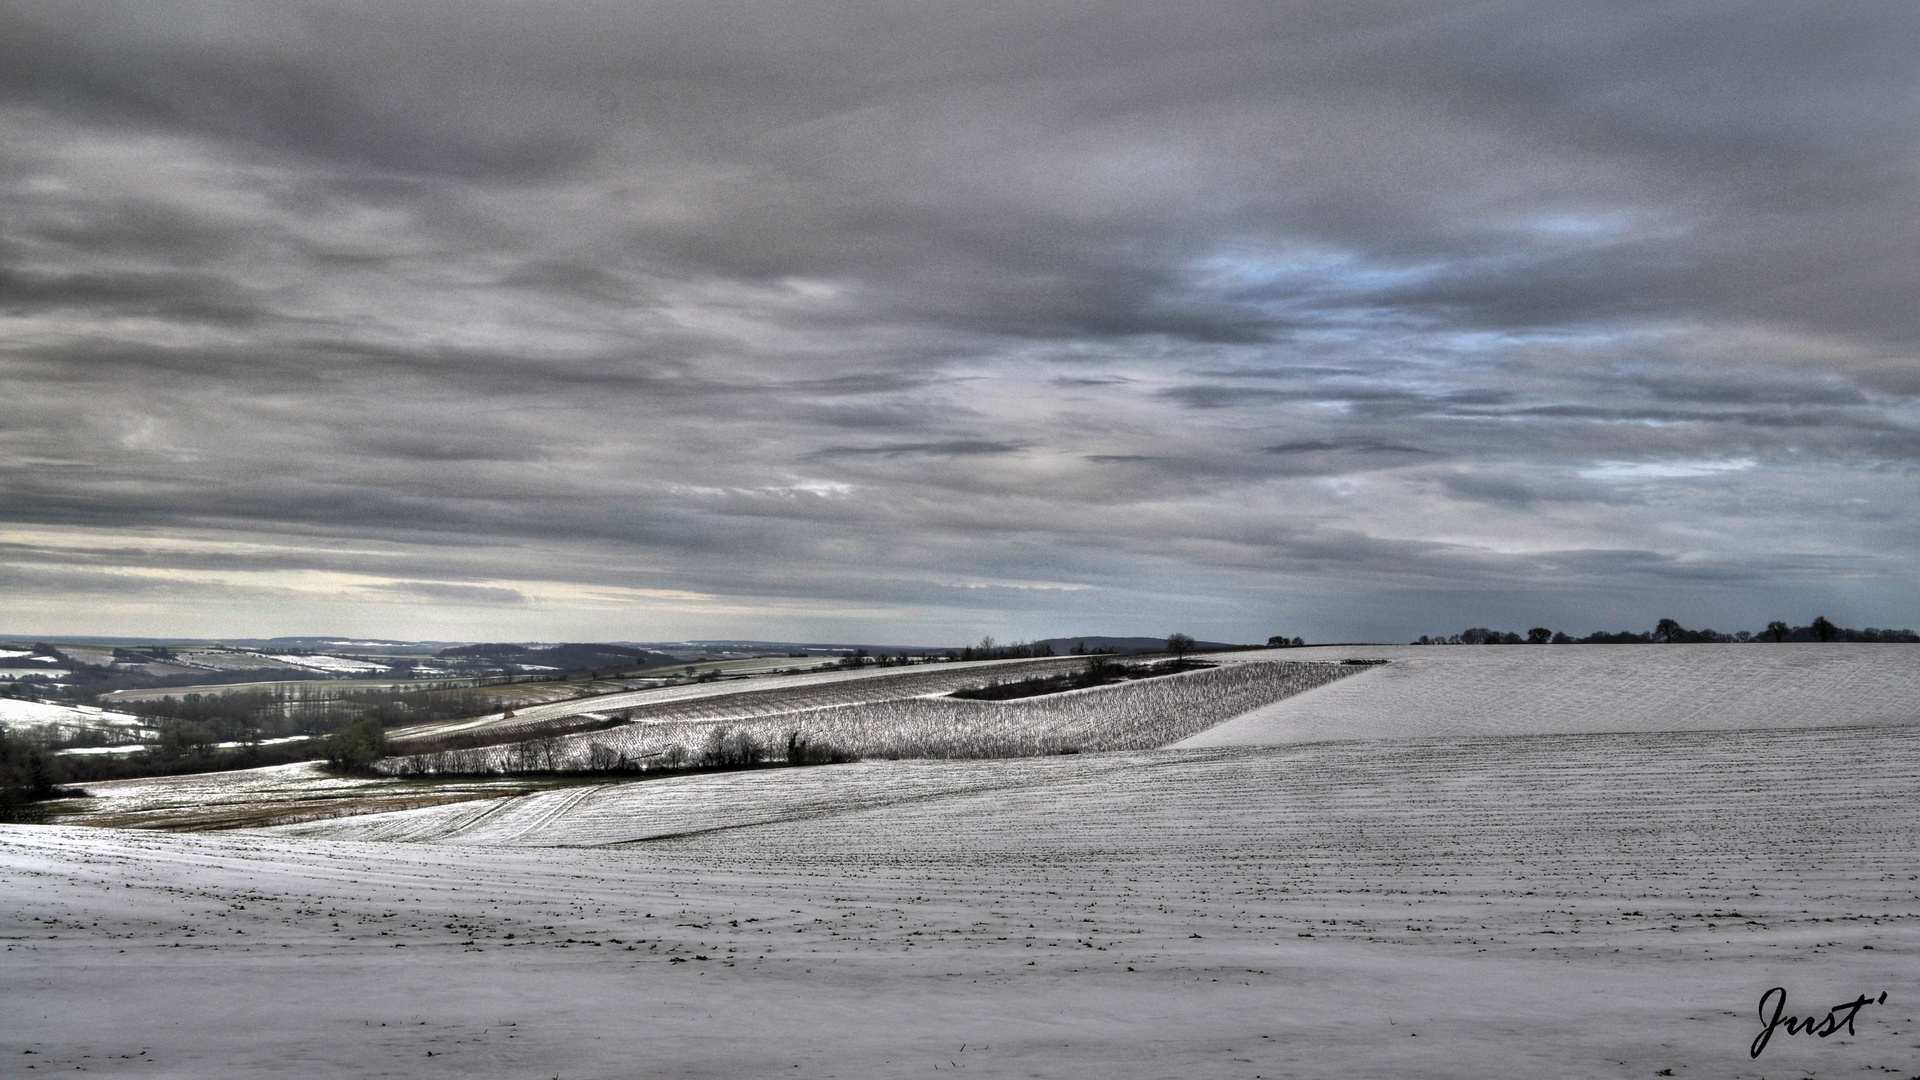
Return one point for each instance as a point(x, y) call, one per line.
point(1495, 909)
point(1567, 689)
point(16, 712)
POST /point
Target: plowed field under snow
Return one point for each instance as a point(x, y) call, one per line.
point(1608, 903)
point(1426, 692)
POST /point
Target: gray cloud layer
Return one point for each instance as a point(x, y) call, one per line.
point(617, 320)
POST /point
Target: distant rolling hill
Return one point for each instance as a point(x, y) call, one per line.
point(1125, 644)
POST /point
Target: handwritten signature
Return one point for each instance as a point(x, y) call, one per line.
point(1840, 1016)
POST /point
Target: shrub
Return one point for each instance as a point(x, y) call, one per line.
point(356, 747)
point(27, 774)
point(803, 751)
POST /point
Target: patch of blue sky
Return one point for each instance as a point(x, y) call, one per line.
point(1309, 270)
point(1584, 226)
point(1569, 335)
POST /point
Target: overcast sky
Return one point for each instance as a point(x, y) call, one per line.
point(917, 321)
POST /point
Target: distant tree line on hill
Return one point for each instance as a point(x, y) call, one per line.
point(1669, 631)
point(307, 710)
point(860, 658)
point(988, 649)
point(178, 754)
point(1101, 670)
point(1177, 644)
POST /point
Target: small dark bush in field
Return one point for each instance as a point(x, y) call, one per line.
point(355, 748)
point(802, 751)
point(28, 774)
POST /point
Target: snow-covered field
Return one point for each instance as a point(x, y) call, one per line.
point(1404, 901)
point(777, 694)
point(9, 674)
point(1566, 689)
point(907, 716)
point(66, 719)
point(256, 797)
point(332, 664)
point(1608, 905)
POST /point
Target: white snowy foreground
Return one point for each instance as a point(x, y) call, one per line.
point(1530, 906)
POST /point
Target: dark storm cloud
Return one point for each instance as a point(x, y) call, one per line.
point(967, 308)
point(186, 297)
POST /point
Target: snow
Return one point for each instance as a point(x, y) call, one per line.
point(12, 654)
point(898, 719)
point(81, 654)
point(11, 673)
point(278, 793)
point(134, 748)
point(1587, 905)
point(822, 687)
point(1566, 689)
point(330, 664)
point(1423, 888)
point(16, 711)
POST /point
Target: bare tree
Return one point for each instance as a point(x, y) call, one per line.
point(1667, 630)
point(1824, 630)
point(1539, 635)
point(548, 747)
point(716, 752)
point(601, 757)
point(1779, 630)
point(1179, 645)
